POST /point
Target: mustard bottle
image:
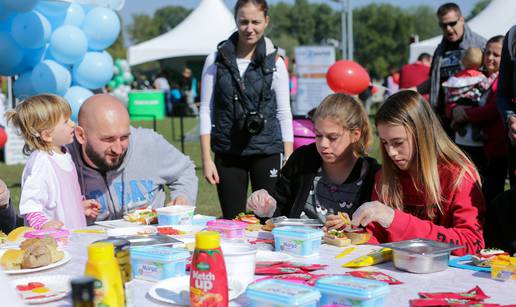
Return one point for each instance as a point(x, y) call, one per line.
point(103, 266)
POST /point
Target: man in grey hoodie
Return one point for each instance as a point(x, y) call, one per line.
point(123, 167)
point(457, 38)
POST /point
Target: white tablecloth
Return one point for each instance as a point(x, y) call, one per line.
point(449, 280)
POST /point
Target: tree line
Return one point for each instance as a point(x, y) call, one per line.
point(381, 32)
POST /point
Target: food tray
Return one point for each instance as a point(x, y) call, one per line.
point(150, 240)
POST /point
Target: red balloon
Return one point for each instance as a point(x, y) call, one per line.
point(347, 77)
point(3, 138)
point(374, 89)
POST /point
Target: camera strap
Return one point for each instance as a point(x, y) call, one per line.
point(239, 82)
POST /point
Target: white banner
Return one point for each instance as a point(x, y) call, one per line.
point(14, 147)
point(312, 63)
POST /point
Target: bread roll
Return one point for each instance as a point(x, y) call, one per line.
point(12, 259)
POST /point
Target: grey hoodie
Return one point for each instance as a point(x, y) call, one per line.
point(150, 163)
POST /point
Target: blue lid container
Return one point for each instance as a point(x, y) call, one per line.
point(297, 241)
point(159, 253)
point(352, 290)
point(303, 233)
point(156, 263)
point(281, 293)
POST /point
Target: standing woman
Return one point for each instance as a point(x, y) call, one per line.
point(245, 110)
point(486, 115)
point(427, 187)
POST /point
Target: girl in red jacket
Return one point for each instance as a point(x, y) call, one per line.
point(427, 187)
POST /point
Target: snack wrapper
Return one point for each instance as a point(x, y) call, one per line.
point(374, 257)
point(379, 276)
point(475, 294)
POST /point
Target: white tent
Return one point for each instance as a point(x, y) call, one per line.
point(198, 35)
point(496, 19)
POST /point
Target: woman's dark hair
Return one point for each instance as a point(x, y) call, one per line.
point(495, 39)
point(262, 4)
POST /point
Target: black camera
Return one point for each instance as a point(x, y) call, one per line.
point(254, 122)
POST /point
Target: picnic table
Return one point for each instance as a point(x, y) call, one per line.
point(450, 280)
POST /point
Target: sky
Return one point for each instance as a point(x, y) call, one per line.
point(148, 7)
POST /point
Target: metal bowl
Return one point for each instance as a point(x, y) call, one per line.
point(421, 255)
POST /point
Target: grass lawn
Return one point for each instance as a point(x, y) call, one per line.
point(207, 200)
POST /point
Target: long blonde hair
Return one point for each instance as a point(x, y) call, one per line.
point(34, 116)
point(432, 147)
point(350, 114)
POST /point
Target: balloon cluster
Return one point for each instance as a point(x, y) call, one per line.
point(122, 79)
point(57, 47)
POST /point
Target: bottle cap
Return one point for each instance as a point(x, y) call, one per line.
point(82, 289)
point(101, 251)
point(207, 239)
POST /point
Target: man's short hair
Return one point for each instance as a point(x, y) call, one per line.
point(447, 7)
point(424, 56)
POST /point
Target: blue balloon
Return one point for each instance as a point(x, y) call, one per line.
point(51, 77)
point(5, 14)
point(19, 5)
point(101, 26)
point(22, 87)
point(11, 55)
point(54, 11)
point(94, 71)
point(75, 96)
point(74, 15)
point(34, 56)
point(68, 44)
point(31, 30)
point(6, 22)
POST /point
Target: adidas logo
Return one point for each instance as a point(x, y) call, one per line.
point(273, 173)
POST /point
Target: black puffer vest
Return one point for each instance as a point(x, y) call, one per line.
point(235, 96)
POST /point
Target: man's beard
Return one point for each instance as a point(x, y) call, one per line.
point(100, 162)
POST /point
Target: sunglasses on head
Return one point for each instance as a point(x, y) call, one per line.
point(445, 25)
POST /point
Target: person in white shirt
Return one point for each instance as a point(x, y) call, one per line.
point(245, 112)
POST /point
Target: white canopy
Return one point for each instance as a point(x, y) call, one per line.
point(496, 19)
point(198, 35)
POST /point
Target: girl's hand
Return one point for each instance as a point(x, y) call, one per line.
point(373, 211)
point(210, 172)
point(52, 225)
point(4, 193)
point(261, 203)
point(91, 208)
point(334, 221)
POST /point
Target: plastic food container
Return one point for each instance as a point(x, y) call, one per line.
point(272, 292)
point(504, 268)
point(175, 215)
point(297, 241)
point(351, 291)
point(155, 263)
point(202, 220)
point(240, 259)
point(60, 235)
point(421, 255)
point(228, 229)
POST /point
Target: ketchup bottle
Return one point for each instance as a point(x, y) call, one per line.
point(208, 278)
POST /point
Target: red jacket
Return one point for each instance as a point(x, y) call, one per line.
point(490, 120)
point(458, 223)
point(413, 74)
